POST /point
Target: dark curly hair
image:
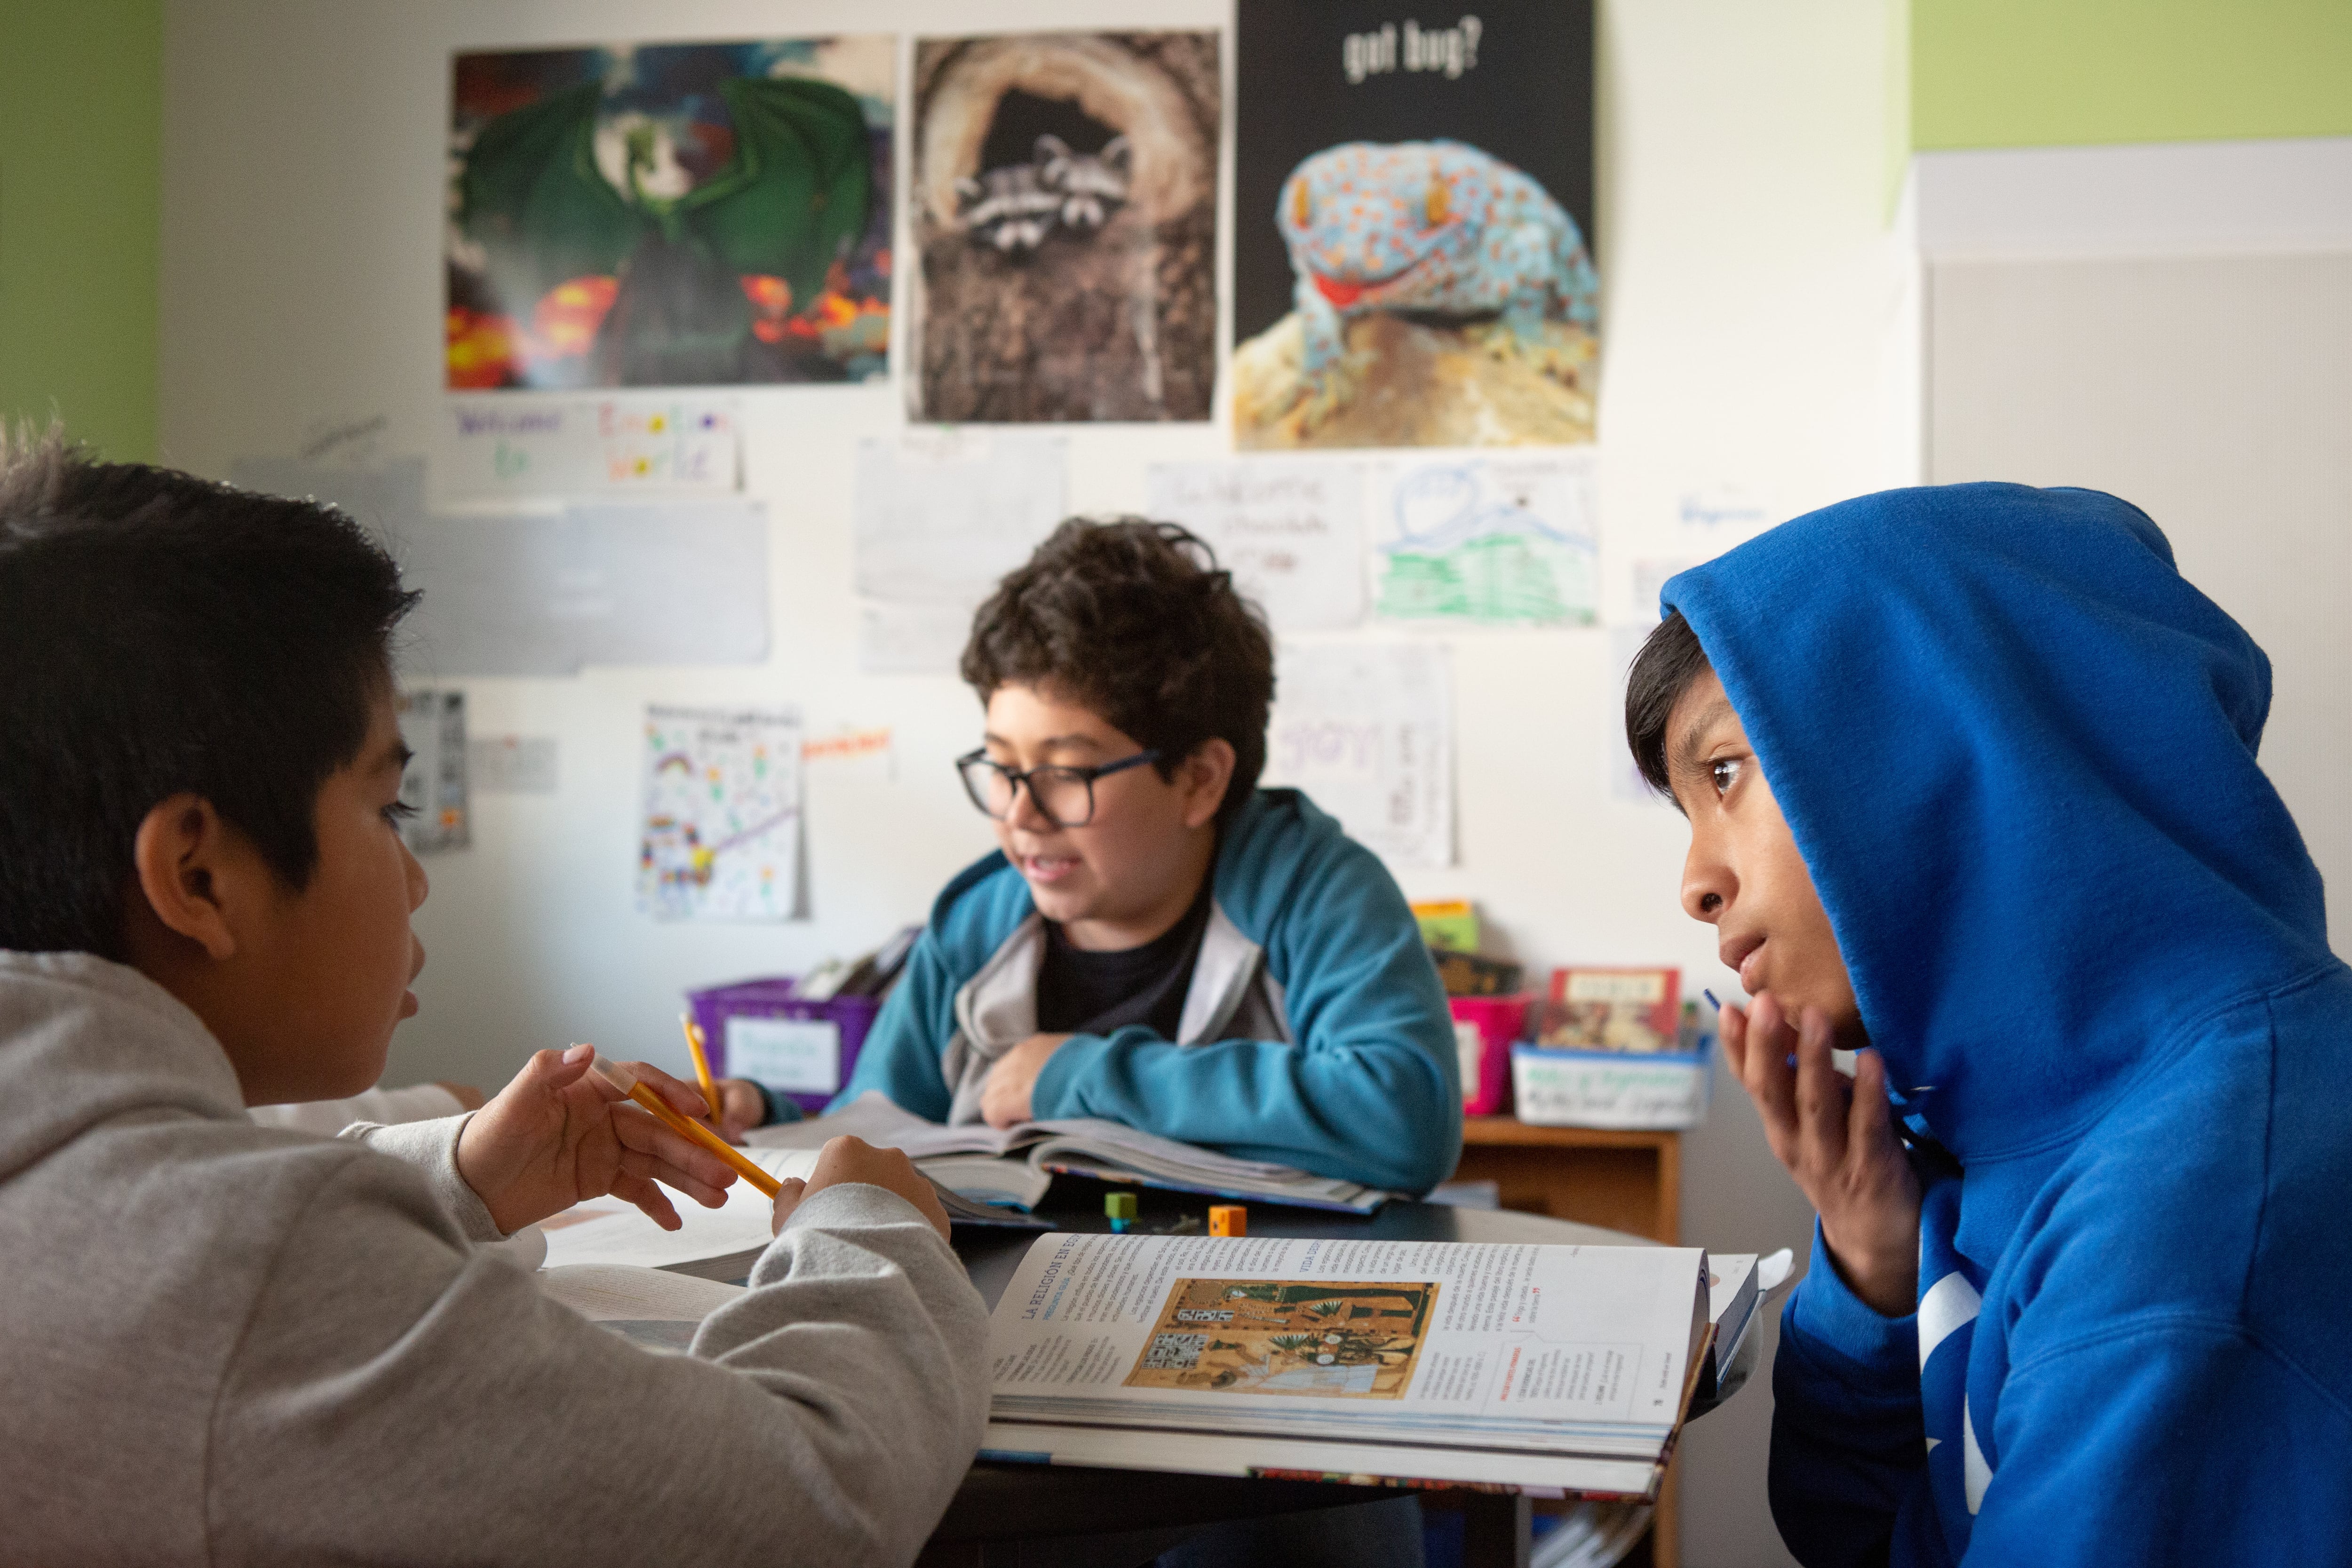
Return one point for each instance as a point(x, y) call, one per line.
point(1135, 620)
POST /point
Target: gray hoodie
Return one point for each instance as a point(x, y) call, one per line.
point(228, 1343)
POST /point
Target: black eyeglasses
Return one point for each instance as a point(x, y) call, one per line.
point(1062, 796)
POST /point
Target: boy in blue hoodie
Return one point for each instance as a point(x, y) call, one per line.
point(1158, 942)
point(1972, 783)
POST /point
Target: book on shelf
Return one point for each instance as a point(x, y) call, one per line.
point(1014, 1164)
point(1547, 1369)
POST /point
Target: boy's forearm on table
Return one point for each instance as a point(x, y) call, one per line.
point(1378, 1114)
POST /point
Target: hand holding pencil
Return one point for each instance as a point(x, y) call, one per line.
point(558, 1133)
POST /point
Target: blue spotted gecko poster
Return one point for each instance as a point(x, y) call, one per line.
point(1413, 242)
point(722, 838)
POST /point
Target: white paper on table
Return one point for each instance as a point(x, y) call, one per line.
point(1291, 530)
point(586, 445)
point(1367, 731)
point(608, 1230)
point(722, 835)
point(1477, 540)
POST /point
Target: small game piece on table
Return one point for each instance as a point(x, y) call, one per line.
point(1120, 1207)
point(1228, 1219)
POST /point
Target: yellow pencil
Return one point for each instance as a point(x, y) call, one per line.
point(701, 1064)
point(624, 1080)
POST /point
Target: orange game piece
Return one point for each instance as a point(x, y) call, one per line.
point(1228, 1219)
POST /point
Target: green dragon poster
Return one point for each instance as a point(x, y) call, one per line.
point(669, 214)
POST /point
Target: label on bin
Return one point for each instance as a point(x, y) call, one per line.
point(798, 1056)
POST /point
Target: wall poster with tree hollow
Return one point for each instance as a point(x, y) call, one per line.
point(671, 215)
point(1065, 211)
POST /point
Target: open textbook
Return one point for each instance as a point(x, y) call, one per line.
point(1552, 1369)
point(1014, 1164)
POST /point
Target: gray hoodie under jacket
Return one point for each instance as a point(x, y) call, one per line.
point(225, 1343)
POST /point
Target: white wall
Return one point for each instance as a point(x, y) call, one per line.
point(1757, 333)
point(2213, 392)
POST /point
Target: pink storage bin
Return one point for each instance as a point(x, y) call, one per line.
point(1484, 1028)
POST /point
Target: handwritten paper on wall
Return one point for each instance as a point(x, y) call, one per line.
point(939, 516)
point(722, 838)
point(1290, 531)
point(1489, 541)
point(586, 446)
point(1367, 731)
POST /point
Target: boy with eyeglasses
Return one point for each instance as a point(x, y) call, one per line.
point(1158, 942)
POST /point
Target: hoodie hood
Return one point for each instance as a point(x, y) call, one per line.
point(84, 1040)
point(2017, 751)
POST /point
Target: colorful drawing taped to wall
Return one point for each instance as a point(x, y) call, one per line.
point(1495, 543)
point(671, 215)
point(1315, 1339)
point(1064, 208)
point(631, 442)
point(1413, 264)
point(722, 826)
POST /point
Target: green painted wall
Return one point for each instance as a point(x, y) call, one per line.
point(2052, 73)
point(81, 147)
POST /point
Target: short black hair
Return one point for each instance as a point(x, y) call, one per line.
point(1669, 661)
point(1135, 620)
point(163, 634)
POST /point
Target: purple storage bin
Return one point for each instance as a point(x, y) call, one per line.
point(804, 1050)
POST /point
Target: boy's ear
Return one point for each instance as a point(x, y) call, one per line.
point(1204, 776)
point(186, 860)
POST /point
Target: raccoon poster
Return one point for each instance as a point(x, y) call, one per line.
point(1413, 242)
point(1065, 202)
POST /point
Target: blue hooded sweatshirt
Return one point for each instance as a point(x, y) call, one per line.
point(1315, 1033)
point(2016, 749)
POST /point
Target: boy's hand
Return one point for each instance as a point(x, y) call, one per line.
point(1838, 1140)
point(741, 1108)
point(847, 1159)
point(1005, 1098)
point(559, 1133)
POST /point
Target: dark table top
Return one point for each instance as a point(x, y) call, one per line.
point(1002, 1501)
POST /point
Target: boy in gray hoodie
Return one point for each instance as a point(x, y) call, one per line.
point(227, 1343)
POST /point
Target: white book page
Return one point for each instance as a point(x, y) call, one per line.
point(1558, 1349)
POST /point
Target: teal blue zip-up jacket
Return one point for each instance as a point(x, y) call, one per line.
point(1345, 1062)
